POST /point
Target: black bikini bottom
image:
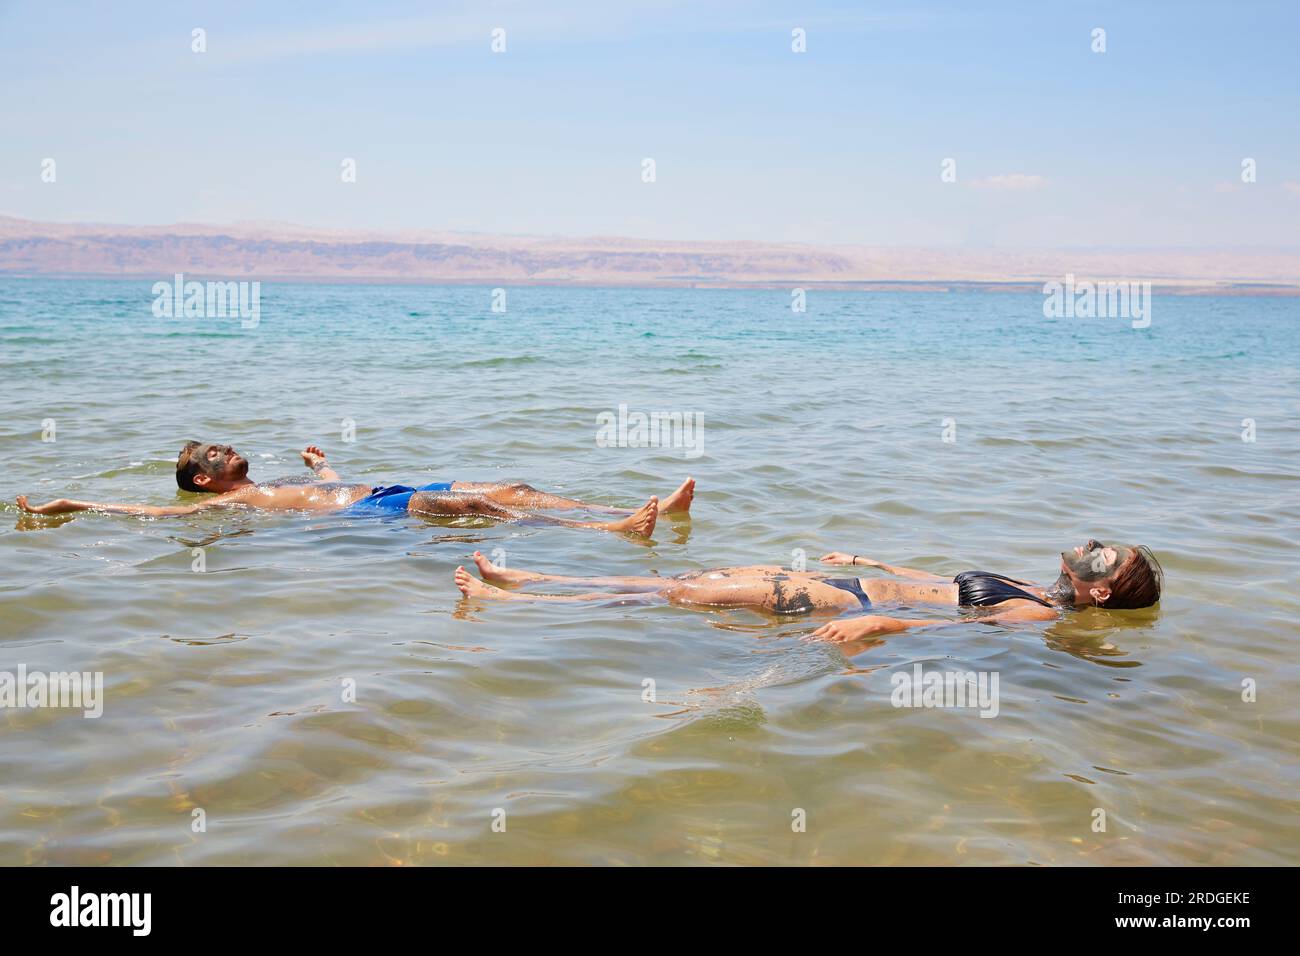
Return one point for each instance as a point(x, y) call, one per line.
point(853, 587)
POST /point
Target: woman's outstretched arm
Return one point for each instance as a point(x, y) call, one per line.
point(849, 629)
point(839, 557)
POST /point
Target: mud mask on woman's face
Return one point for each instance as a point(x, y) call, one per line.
point(1093, 565)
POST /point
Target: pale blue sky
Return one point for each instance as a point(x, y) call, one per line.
point(1141, 145)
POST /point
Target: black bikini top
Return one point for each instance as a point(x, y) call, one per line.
point(984, 589)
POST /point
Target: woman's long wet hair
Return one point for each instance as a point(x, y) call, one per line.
point(1137, 583)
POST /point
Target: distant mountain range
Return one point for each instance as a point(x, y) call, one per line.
point(273, 251)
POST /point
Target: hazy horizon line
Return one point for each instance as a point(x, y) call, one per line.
point(628, 237)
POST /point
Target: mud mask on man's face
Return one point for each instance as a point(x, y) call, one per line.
point(213, 459)
point(1097, 562)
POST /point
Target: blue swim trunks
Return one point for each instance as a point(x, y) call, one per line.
point(391, 499)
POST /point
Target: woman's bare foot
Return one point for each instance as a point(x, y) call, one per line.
point(642, 521)
point(471, 586)
point(680, 500)
point(501, 575)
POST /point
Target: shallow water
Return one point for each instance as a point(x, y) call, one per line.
point(224, 688)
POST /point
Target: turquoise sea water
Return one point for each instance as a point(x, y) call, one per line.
point(824, 430)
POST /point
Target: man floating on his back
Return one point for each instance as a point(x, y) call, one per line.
point(222, 473)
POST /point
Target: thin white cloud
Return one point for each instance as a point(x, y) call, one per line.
point(1292, 188)
point(1012, 181)
point(576, 21)
point(454, 25)
point(360, 38)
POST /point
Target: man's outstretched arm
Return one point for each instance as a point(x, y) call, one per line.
point(314, 459)
point(63, 506)
point(839, 557)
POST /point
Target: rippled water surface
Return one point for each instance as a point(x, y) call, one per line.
point(225, 688)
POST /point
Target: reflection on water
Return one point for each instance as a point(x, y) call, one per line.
point(1098, 636)
point(322, 693)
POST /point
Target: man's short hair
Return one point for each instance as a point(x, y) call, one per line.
point(187, 466)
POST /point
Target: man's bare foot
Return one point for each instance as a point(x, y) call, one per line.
point(501, 575)
point(680, 500)
point(471, 586)
point(642, 521)
point(55, 507)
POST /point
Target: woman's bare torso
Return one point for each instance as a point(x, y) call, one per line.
point(938, 591)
